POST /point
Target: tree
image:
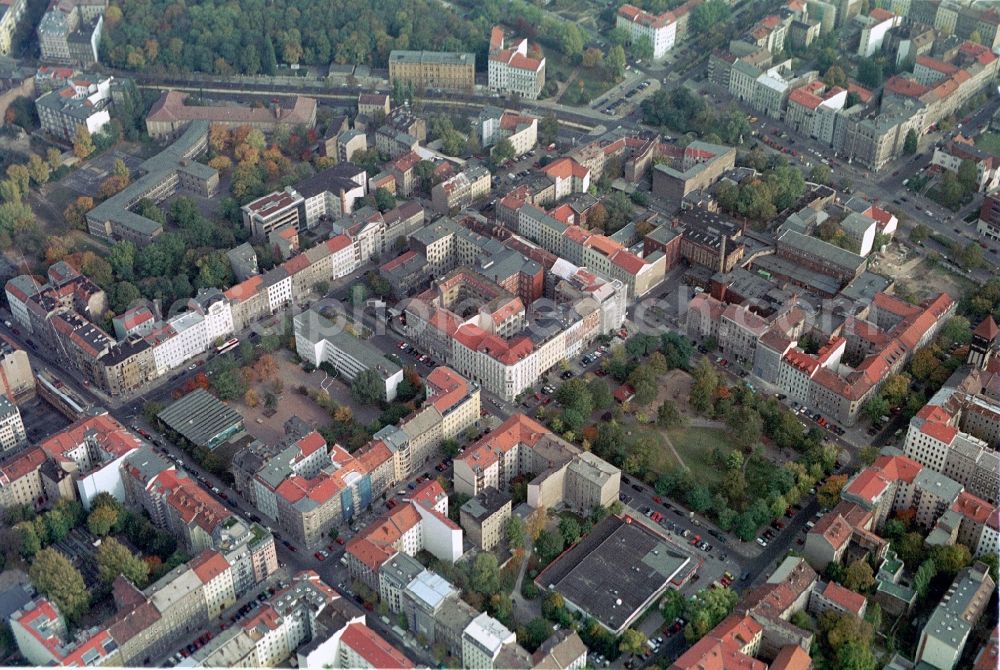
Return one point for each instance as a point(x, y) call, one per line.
point(642, 48)
point(668, 416)
point(535, 633)
point(102, 520)
point(31, 544)
point(553, 605)
point(615, 63)
point(485, 577)
point(368, 387)
point(592, 58)
point(633, 642)
point(859, 576)
point(38, 169)
point(829, 493)
point(709, 15)
point(119, 169)
point(548, 545)
point(569, 529)
point(910, 142)
point(820, 174)
point(967, 176)
point(949, 559)
point(112, 185)
point(384, 199)
point(835, 76)
point(571, 41)
point(548, 130)
point(853, 655)
point(706, 609)
point(502, 152)
point(56, 578)
point(869, 73)
point(83, 143)
point(114, 559)
point(515, 533)
point(923, 577)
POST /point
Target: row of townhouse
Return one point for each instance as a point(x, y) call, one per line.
point(511, 70)
point(568, 477)
point(599, 253)
point(308, 487)
point(884, 342)
point(148, 623)
point(231, 556)
point(56, 311)
point(328, 193)
point(662, 31)
point(98, 455)
point(382, 556)
point(500, 345)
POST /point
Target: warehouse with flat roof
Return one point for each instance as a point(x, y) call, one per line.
point(618, 571)
point(202, 419)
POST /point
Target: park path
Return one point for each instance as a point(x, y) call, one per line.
point(524, 609)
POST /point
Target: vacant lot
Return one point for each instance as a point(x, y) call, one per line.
point(269, 427)
point(989, 142)
point(695, 446)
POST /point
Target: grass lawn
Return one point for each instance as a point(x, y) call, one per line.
point(695, 446)
point(593, 79)
point(989, 142)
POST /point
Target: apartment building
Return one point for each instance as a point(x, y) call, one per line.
point(21, 481)
point(691, 168)
point(988, 224)
point(946, 632)
point(511, 70)
point(170, 115)
point(576, 479)
point(599, 253)
point(419, 523)
point(353, 645)
point(332, 192)
point(659, 30)
point(273, 633)
point(874, 28)
point(12, 433)
point(462, 190)
point(17, 381)
point(80, 103)
point(275, 211)
point(483, 641)
point(484, 518)
point(11, 12)
point(70, 31)
point(433, 69)
point(812, 109)
point(174, 169)
point(319, 341)
point(960, 148)
point(496, 124)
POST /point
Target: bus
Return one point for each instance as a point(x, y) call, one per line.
point(228, 345)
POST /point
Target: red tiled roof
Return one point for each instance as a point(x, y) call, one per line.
point(880, 14)
point(27, 461)
point(987, 328)
point(112, 438)
point(208, 565)
point(973, 508)
point(845, 598)
point(246, 289)
point(791, 657)
point(374, 649)
point(445, 388)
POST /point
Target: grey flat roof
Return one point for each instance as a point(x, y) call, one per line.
point(199, 417)
point(820, 249)
point(435, 57)
point(615, 571)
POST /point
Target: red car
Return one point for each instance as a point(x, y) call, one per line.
point(340, 540)
point(319, 556)
point(658, 500)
